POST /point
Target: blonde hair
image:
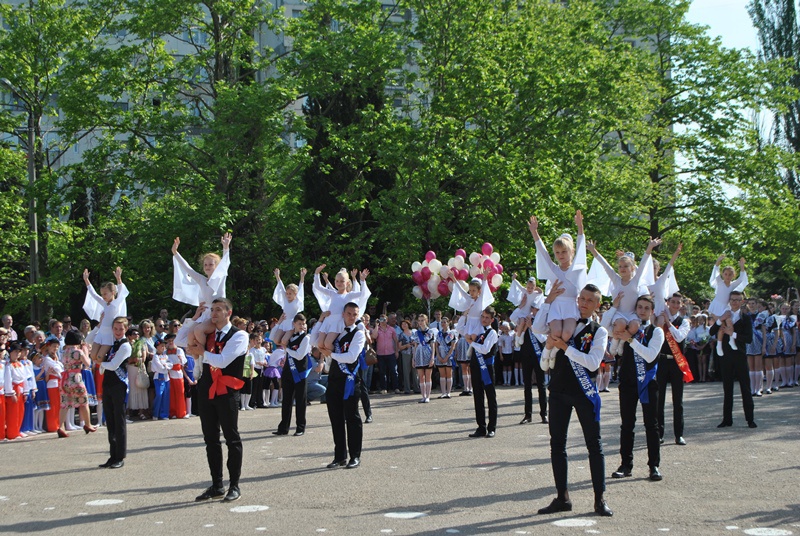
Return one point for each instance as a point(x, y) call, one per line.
point(343, 271)
point(214, 256)
point(110, 286)
point(656, 265)
point(422, 316)
point(628, 260)
point(293, 287)
point(731, 268)
point(565, 241)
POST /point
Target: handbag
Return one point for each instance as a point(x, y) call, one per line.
point(142, 379)
point(371, 356)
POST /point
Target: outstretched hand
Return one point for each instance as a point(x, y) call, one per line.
point(118, 275)
point(319, 269)
point(277, 272)
point(86, 276)
point(533, 225)
point(579, 221)
point(555, 291)
point(175, 244)
point(654, 243)
point(226, 241)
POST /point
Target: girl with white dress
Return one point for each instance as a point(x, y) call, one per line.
point(192, 288)
point(570, 271)
point(290, 298)
point(333, 301)
point(471, 303)
point(724, 283)
point(525, 299)
point(104, 307)
point(630, 283)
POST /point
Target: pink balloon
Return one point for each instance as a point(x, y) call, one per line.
point(480, 276)
point(461, 252)
point(426, 273)
point(487, 248)
point(429, 256)
point(492, 288)
point(417, 277)
point(444, 290)
point(499, 268)
point(488, 264)
point(463, 274)
point(426, 293)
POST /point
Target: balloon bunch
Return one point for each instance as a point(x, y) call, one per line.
point(487, 261)
point(428, 281)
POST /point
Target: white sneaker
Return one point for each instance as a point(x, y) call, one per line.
point(732, 342)
point(187, 416)
point(544, 361)
point(719, 348)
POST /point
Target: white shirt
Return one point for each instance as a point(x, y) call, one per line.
point(590, 360)
point(178, 358)
point(123, 353)
point(303, 350)
point(354, 350)
point(486, 346)
point(679, 333)
point(235, 346)
point(160, 365)
point(651, 351)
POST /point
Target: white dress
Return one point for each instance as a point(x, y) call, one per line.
point(96, 307)
point(573, 279)
point(610, 283)
point(191, 288)
point(665, 286)
point(290, 308)
point(331, 300)
point(461, 301)
point(533, 300)
point(719, 304)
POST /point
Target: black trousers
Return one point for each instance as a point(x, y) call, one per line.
point(478, 391)
point(257, 399)
point(221, 412)
point(530, 366)
point(114, 391)
point(293, 394)
point(362, 389)
point(670, 373)
point(345, 419)
point(561, 405)
point(734, 368)
point(628, 400)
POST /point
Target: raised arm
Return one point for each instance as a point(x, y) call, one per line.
point(609, 270)
point(185, 265)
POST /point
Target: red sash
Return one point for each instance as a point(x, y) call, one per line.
point(679, 357)
point(220, 383)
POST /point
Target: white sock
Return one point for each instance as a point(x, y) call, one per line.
point(71, 419)
point(449, 385)
point(468, 382)
point(188, 406)
point(274, 400)
point(752, 382)
point(443, 385)
point(759, 381)
point(770, 378)
point(732, 342)
point(719, 347)
point(99, 413)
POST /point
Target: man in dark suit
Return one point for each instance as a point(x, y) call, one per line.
point(733, 363)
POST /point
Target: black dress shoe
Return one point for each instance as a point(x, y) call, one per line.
point(233, 494)
point(680, 441)
point(525, 420)
point(602, 509)
point(107, 464)
point(660, 440)
point(353, 463)
point(335, 464)
point(623, 471)
point(558, 505)
point(211, 493)
point(544, 419)
point(478, 433)
point(724, 424)
point(368, 419)
point(299, 432)
point(655, 474)
point(752, 424)
point(490, 433)
point(280, 432)
point(117, 465)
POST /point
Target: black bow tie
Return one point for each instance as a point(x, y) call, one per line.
point(348, 329)
point(583, 321)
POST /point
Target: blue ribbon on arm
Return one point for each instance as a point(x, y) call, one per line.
point(298, 376)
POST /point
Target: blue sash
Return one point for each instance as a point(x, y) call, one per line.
point(587, 385)
point(643, 376)
point(537, 346)
point(350, 383)
point(298, 376)
point(362, 358)
point(421, 337)
point(121, 370)
point(487, 380)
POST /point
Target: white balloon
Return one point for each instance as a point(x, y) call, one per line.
point(460, 262)
point(417, 292)
point(451, 262)
point(497, 280)
point(495, 257)
point(474, 258)
point(474, 271)
point(444, 272)
point(424, 263)
point(435, 293)
point(416, 266)
point(432, 284)
point(435, 265)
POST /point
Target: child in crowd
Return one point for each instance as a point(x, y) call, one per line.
point(104, 307)
point(290, 300)
point(160, 365)
point(724, 284)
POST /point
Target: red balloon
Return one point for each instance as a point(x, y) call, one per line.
point(443, 289)
point(487, 248)
point(417, 277)
point(429, 256)
point(492, 288)
point(480, 276)
point(461, 252)
point(426, 293)
point(499, 268)
point(426, 273)
point(488, 264)
point(463, 274)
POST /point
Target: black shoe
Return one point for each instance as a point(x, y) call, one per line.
point(117, 465)
point(525, 420)
point(752, 424)
point(602, 509)
point(623, 471)
point(107, 464)
point(480, 432)
point(280, 432)
point(353, 463)
point(465, 393)
point(724, 424)
point(558, 505)
point(544, 419)
point(211, 493)
point(368, 419)
point(299, 432)
point(490, 433)
point(233, 494)
point(680, 441)
point(660, 440)
point(655, 474)
point(335, 464)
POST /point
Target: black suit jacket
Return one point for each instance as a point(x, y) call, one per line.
point(744, 335)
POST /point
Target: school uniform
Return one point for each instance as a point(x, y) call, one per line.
point(295, 371)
